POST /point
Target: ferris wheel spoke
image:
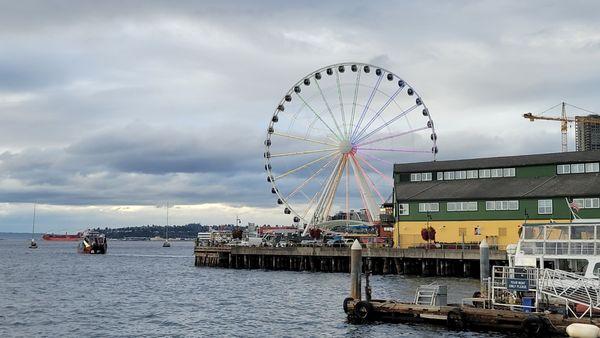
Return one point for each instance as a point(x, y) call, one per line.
point(303, 139)
point(308, 164)
point(303, 152)
point(377, 158)
point(396, 118)
point(366, 108)
point(337, 126)
point(384, 176)
point(356, 87)
point(339, 89)
point(318, 116)
point(379, 112)
point(310, 178)
point(370, 181)
point(394, 136)
point(400, 150)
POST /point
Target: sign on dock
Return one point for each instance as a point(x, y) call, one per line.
point(517, 284)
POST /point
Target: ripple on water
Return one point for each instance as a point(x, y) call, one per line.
point(140, 288)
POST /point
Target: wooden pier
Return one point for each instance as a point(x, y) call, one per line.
point(424, 262)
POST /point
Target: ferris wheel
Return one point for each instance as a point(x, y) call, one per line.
point(334, 137)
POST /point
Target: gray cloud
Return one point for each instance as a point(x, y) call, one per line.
point(132, 103)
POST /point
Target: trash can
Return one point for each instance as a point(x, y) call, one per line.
point(528, 304)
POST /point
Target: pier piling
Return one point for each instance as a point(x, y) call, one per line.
point(355, 270)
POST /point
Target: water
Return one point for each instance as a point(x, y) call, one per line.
point(140, 288)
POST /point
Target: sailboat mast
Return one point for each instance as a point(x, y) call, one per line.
point(167, 227)
point(33, 225)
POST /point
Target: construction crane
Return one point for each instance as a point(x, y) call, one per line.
point(564, 120)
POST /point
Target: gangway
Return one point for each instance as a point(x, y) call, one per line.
point(510, 284)
point(572, 288)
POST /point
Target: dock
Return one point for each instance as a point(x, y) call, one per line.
point(536, 302)
point(377, 260)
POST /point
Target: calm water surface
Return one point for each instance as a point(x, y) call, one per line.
point(142, 289)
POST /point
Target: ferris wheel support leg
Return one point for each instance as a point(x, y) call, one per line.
point(370, 204)
point(318, 215)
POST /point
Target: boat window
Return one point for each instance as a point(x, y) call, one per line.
point(557, 232)
point(582, 232)
point(533, 231)
point(597, 269)
point(573, 265)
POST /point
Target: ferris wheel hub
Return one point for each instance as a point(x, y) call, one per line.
point(347, 147)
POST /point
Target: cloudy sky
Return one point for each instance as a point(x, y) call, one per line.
point(108, 109)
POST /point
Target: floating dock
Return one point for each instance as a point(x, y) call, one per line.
point(573, 311)
point(418, 261)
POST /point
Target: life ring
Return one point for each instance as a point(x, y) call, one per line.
point(456, 319)
point(534, 326)
point(363, 311)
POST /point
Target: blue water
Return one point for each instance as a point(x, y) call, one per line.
point(142, 289)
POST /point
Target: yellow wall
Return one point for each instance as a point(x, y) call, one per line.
point(407, 234)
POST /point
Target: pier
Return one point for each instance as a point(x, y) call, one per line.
point(382, 261)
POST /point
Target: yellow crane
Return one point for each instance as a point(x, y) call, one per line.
point(564, 120)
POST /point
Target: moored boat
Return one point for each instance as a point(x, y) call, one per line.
point(93, 242)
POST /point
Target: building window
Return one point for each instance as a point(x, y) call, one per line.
point(545, 207)
point(501, 205)
point(563, 169)
point(429, 207)
point(587, 203)
point(496, 172)
point(471, 174)
point(577, 168)
point(448, 175)
point(485, 173)
point(415, 177)
point(461, 206)
point(592, 167)
point(460, 175)
point(403, 209)
point(426, 176)
point(508, 172)
point(440, 176)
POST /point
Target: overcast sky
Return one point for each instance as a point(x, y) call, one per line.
point(110, 108)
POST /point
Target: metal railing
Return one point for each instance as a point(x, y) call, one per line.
point(571, 287)
point(510, 284)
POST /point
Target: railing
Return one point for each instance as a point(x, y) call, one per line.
point(566, 247)
point(510, 283)
point(571, 287)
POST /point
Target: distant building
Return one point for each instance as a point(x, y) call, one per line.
point(465, 201)
point(587, 134)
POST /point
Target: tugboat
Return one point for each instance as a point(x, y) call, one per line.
point(93, 242)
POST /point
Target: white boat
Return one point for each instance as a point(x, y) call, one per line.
point(571, 247)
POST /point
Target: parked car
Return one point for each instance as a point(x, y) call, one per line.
point(309, 242)
point(336, 242)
